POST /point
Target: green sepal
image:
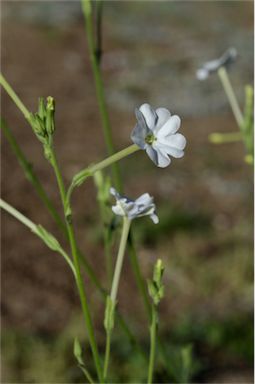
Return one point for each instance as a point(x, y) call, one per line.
point(41, 108)
point(109, 314)
point(77, 350)
point(48, 238)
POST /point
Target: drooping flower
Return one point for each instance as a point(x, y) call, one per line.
point(142, 206)
point(155, 132)
point(212, 66)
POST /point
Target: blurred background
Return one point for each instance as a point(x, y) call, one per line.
point(151, 51)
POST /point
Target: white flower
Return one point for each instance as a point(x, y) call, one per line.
point(143, 206)
point(155, 132)
point(209, 67)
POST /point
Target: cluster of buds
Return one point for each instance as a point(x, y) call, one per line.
point(43, 122)
point(155, 286)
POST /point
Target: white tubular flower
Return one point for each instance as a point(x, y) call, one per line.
point(143, 206)
point(210, 67)
point(155, 132)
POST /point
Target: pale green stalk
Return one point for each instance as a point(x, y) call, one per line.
point(120, 258)
point(81, 176)
point(115, 286)
point(223, 75)
point(153, 329)
point(33, 227)
point(220, 138)
point(14, 97)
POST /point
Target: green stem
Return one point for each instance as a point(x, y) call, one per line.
point(107, 353)
point(92, 169)
point(120, 258)
point(153, 328)
point(14, 97)
point(79, 281)
point(220, 138)
point(223, 75)
point(87, 11)
point(33, 227)
point(30, 174)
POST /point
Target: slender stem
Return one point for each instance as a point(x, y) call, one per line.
point(79, 281)
point(33, 227)
point(153, 328)
point(91, 170)
point(114, 158)
point(107, 353)
point(220, 138)
point(99, 14)
point(87, 11)
point(223, 75)
point(18, 215)
point(14, 96)
point(120, 258)
point(30, 174)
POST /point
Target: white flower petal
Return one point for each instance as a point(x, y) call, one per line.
point(170, 127)
point(138, 136)
point(149, 115)
point(154, 218)
point(163, 115)
point(144, 199)
point(177, 141)
point(118, 210)
point(152, 154)
point(162, 159)
point(174, 152)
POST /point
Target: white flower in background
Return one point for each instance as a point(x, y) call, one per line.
point(209, 67)
point(143, 206)
point(155, 132)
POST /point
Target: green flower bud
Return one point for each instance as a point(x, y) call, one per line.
point(41, 108)
point(50, 111)
point(155, 286)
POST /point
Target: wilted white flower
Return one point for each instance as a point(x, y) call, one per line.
point(143, 206)
point(209, 67)
point(155, 132)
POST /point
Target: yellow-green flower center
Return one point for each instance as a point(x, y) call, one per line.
point(150, 138)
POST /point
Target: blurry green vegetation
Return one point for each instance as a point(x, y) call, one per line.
point(173, 219)
point(44, 359)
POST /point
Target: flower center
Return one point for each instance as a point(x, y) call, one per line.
point(150, 138)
